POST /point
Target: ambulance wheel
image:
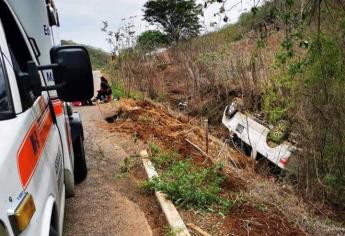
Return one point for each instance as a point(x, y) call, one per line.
point(52, 232)
point(80, 166)
point(69, 184)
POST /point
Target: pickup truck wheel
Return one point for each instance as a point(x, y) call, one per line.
point(231, 111)
point(279, 132)
point(80, 166)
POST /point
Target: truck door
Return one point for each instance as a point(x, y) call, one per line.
point(36, 144)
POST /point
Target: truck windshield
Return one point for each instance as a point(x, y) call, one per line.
point(4, 98)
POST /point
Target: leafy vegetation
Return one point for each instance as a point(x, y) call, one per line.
point(186, 184)
point(152, 39)
point(178, 19)
point(286, 60)
point(301, 84)
point(323, 79)
point(120, 92)
point(98, 57)
point(311, 68)
point(162, 160)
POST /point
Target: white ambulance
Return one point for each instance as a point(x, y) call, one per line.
point(41, 139)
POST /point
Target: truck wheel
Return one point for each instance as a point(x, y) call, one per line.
point(80, 166)
point(279, 132)
point(231, 111)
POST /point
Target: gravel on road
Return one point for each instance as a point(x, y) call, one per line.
point(106, 204)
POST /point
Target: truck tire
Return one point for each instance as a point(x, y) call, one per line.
point(80, 166)
point(279, 132)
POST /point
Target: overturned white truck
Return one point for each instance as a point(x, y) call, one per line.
point(251, 135)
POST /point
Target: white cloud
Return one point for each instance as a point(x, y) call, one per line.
point(81, 20)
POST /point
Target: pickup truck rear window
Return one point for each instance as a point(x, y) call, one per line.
point(4, 98)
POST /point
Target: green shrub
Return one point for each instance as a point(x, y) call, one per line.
point(324, 83)
point(118, 90)
point(190, 186)
point(165, 159)
point(276, 106)
point(152, 39)
point(162, 160)
point(155, 150)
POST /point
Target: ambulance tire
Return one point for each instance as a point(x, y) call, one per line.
point(69, 184)
point(52, 232)
point(80, 166)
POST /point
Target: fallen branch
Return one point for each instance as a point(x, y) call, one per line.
point(198, 229)
point(199, 149)
point(251, 222)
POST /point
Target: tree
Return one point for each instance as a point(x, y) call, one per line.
point(179, 19)
point(152, 39)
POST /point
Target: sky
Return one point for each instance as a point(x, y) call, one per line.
point(81, 20)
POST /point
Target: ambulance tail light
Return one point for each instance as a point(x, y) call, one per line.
point(22, 214)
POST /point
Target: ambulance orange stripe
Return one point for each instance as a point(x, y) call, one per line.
point(26, 157)
point(32, 147)
point(44, 131)
point(58, 107)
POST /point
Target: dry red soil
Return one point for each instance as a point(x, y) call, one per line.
point(151, 122)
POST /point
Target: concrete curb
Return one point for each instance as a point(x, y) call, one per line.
point(171, 214)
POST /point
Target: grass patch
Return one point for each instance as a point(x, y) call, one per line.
point(120, 92)
point(172, 232)
point(188, 185)
point(162, 160)
point(154, 148)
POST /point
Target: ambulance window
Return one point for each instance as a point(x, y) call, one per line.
point(19, 51)
point(4, 98)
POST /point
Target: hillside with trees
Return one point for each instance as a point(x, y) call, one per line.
point(99, 58)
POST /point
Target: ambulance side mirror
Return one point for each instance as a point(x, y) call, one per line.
point(72, 73)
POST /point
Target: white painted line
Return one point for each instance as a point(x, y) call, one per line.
point(173, 217)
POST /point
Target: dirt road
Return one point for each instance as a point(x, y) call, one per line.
point(106, 204)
